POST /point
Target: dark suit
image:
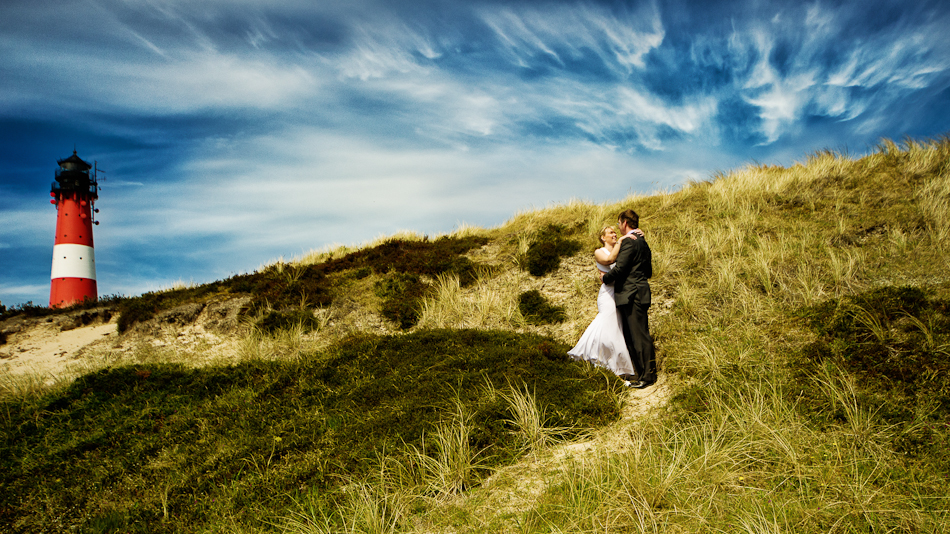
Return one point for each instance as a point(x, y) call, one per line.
point(632, 294)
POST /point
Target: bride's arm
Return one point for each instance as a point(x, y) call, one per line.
point(606, 259)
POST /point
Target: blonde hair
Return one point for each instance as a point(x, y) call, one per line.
point(604, 231)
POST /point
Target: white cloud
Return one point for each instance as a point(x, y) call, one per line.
point(380, 51)
point(685, 118)
point(891, 61)
point(835, 102)
point(182, 81)
point(327, 188)
point(376, 117)
point(215, 80)
point(24, 291)
point(620, 42)
point(29, 225)
point(782, 104)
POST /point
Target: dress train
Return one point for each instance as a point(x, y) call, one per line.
point(603, 343)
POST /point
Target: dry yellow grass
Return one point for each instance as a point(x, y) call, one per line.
point(736, 254)
point(733, 258)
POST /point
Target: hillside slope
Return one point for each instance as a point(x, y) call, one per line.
point(801, 320)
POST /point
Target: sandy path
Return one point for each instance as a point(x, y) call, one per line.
point(47, 351)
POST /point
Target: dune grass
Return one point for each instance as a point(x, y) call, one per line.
point(160, 447)
point(783, 425)
point(803, 311)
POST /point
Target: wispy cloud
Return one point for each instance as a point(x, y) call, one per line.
point(814, 62)
point(21, 292)
point(567, 34)
point(235, 132)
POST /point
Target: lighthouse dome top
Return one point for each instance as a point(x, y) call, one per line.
point(74, 163)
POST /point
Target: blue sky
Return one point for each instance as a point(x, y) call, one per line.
point(235, 132)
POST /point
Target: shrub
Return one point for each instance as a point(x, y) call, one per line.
point(840, 317)
point(545, 253)
point(273, 320)
point(134, 310)
point(29, 309)
point(896, 340)
point(291, 286)
point(123, 447)
point(402, 295)
point(537, 310)
point(425, 257)
point(282, 287)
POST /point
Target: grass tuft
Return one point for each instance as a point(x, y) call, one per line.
point(802, 324)
point(538, 310)
point(184, 448)
point(549, 245)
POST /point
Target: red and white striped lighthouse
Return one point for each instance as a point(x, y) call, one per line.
point(73, 277)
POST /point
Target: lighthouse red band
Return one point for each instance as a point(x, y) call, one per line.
point(73, 276)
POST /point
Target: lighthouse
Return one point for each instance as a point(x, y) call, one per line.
point(73, 276)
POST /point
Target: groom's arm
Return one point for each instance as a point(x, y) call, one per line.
point(624, 262)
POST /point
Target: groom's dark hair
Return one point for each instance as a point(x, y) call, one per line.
point(633, 220)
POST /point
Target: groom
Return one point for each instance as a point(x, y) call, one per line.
point(632, 293)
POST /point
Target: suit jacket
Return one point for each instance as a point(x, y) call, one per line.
point(630, 273)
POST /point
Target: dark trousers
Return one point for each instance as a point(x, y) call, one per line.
point(636, 332)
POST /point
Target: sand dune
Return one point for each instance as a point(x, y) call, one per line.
point(46, 350)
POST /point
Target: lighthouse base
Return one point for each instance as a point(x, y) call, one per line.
point(68, 291)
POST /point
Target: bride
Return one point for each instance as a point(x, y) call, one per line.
point(603, 343)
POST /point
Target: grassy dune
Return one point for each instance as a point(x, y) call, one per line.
point(802, 319)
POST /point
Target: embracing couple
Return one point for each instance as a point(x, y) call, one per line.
point(619, 337)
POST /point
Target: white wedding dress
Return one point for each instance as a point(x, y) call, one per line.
point(602, 343)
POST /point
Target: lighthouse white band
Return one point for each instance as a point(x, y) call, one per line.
point(74, 261)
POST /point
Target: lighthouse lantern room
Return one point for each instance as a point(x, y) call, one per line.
point(73, 276)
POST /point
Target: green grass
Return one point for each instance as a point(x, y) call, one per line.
point(545, 251)
point(800, 316)
point(808, 328)
point(401, 295)
point(893, 346)
point(282, 287)
point(161, 448)
point(29, 309)
point(538, 310)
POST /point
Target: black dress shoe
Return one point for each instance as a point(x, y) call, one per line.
point(642, 384)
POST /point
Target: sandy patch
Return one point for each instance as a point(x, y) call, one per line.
point(515, 488)
point(46, 350)
point(642, 402)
